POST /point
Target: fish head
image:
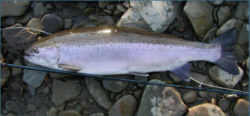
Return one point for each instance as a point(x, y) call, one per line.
point(47, 56)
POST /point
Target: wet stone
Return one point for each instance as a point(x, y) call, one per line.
point(241, 107)
point(116, 86)
point(224, 104)
point(40, 9)
point(5, 73)
point(200, 15)
point(33, 78)
point(224, 14)
point(120, 8)
point(110, 7)
point(14, 106)
point(14, 8)
point(230, 24)
point(189, 96)
point(31, 107)
point(98, 93)
point(125, 106)
point(69, 113)
point(63, 91)
point(224, 78)
point(242, 39)
point(18, 38)
point(159, 20)
point(35, 23)
point(240, 10)
point(210, 35)
point(67, 23)
point(51, 23)
point(16, 71)
point(158, 100)
point(205, 109)
point(52, 111)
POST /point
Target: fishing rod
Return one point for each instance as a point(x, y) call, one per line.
point(200, 88)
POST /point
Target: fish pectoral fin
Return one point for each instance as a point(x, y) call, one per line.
point(69, 68)
point(139, 74)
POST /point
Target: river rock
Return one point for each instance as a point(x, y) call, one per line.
point(230, 24)
point(69, 113)
point(216, 2)
point(120, 8)
point(158, 14)
point(13, 8)
point(210, 35)
point(98, 93)
point(247, 63)
point(5, 73)
point(242, 39)
point(189, 96)
point(224, 78)
point(81, 5)
point(35, 23)
point(33, 78)
point(18, 38)
point(205, 109)
point(64, 91)
point(109, 20)
point(141, 78)
point(14, 106)
point(52, 111)
point(241, 107)
point(10, 21)
point(116, 86)
point(239, 53)
point(31, 107)
point(240, 10)
point(223, 14)
point(176, 78)
point(58, 75)
point(159, 101)
point(224, 104)
point(51, 23)
point(16, 71)
point(67, 23)
point(125, 106)
point(131, 15)
point(40, 9)
point(200, 15)
point(97, 114)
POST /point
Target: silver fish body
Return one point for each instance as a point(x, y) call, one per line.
point(113, 50)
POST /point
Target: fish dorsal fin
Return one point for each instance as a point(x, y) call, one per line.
point(69, 68)
point(139, 74)
point(183, 71)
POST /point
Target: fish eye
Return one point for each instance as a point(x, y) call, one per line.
point(35, 50)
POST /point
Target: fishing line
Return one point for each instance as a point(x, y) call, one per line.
point(26, 28)
point(125, 80)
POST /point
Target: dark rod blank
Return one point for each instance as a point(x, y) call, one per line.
point(125, 80)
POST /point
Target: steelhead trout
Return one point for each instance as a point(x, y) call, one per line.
point(120, 50)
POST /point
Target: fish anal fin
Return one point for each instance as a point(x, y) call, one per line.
point(139, 74)
point(183, 72)
point(69, 68)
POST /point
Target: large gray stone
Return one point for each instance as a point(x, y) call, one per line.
point(224, 78)
point(13, 8)
point(131, 15)
point(223, 14)
point(161, 101)
point(230, 24)
point(18, 38)
point(17, 71)
point(240, 10)
point(158, 14)
point(125, 106)
point(35, 23)
point(33, 78)
point(205, 109)
point(243, 38)
point(200, 15)
point(241, 107)
point(63, 91)
point(116, 86)
point(98, 93)
point(69, 113)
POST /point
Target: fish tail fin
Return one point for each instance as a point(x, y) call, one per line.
point(227, 60)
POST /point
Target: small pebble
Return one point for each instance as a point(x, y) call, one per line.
point(110, 7)
point(31, 107)
point(120, 8)
point(224, 104)
point(10, 21)
point(189, 96)
point(67, 23)
point(51, 23)
point(241, 107)
point(52, 111)
point(81, 5)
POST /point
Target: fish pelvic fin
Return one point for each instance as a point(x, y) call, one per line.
point(227, 60)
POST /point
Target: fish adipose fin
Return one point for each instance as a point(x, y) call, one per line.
point(139, 74)
point(183, 71)
point(227, 60)
point(69, 68)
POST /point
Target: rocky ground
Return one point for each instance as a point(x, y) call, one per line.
point(28, 92)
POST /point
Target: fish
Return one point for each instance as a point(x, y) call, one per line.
point(111, 50)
